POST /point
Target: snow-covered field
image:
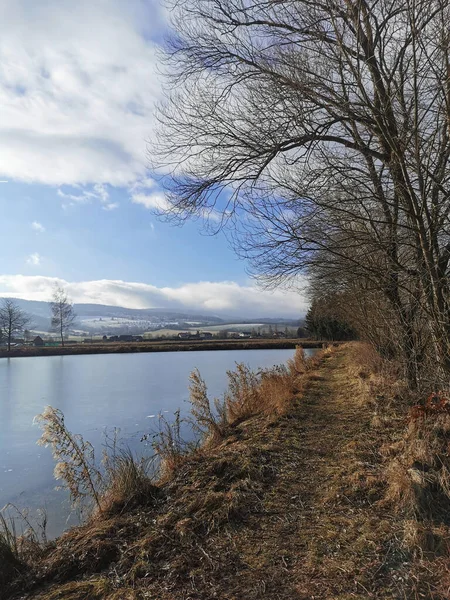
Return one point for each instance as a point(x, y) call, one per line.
point(111, 323)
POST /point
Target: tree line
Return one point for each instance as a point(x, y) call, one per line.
point(316, 133)
point(14, 321)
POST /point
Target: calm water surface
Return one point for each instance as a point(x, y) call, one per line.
point(96, 393)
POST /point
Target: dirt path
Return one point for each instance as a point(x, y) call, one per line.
point(322, 533)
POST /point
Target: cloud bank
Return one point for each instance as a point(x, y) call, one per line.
point(224, 298)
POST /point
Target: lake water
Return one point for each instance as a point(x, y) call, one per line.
point(96, 393)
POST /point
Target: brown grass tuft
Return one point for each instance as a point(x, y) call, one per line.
point(425, 538)
point(81, 590)
point(75, 461)
point(206, 421)
point(242, 399)
point(127, 483)
point(298, 365)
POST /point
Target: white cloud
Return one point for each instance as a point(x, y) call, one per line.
point(38, 227)
point(97, 192)
point(221, 298)
point(155, 201)
point(34, 259)
point(145, 192)
point(77, 90)
point(110, 206)
point(146, 183)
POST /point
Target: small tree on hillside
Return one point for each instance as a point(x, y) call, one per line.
point(63, 315)
point(13, 319)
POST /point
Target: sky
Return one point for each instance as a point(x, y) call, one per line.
point(79, 82)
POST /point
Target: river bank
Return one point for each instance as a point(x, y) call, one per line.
point(160, 346)
point(288, 502)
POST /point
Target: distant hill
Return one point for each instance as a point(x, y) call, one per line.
point(105, 319)
point(92, 317)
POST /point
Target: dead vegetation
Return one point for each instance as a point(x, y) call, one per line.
point(415, 451)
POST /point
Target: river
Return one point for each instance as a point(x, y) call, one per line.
point(96, 393)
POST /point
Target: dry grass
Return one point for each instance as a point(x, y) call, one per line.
point(127, 483)
point(210, 423)
point(242, 399)
point(123, 483)
point(298, 365)
point(417, 468)
point(277, 388)
point(22, 541)
point(86, 590)
point(75, 460)
point(170, 446)
point(415, 452)
point(419, 474)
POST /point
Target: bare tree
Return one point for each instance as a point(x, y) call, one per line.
point(319, 130)
point(13, 319)
point(63, 314)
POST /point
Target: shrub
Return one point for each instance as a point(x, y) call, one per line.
point(124, 481)
point(208, 423)
point(299, 363)
point(75, 459)
point(242, 398)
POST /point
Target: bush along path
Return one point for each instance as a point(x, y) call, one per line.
point(285, 506)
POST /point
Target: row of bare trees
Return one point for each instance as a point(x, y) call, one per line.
point(14, 320)
point(317, 133)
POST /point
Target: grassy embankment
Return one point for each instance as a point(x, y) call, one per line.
point(318, 482)
point(159, 346)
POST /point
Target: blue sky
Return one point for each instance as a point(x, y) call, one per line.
point(78, 87)
point(83, 241)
